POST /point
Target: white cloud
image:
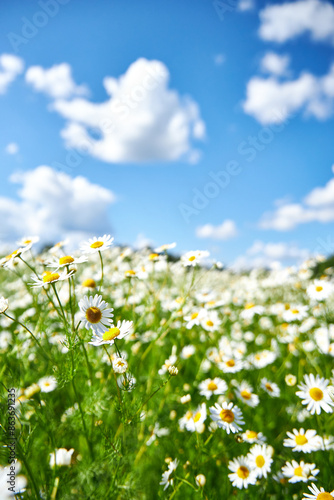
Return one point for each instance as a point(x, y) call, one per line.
point(286, 21)
point(275, 64)
point(57, 81)
point(245, 5)
point(12, 148)
point(143, 120)
point(54, 206)
point(270, 100)
point(317, 206)
point(270, 255)
point(225, 231)
point(142, 242)
point(10, 67)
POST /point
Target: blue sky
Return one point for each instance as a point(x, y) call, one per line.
point(223, 86)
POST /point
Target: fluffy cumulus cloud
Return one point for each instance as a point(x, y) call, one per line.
point(141, 121)
point(271, 100)
point(224, 231)
point(286, 21)
point(56, 82)
point(10, 67)
point(275, 64)
point(317, 206)
point(270, 255)
point(54, 206)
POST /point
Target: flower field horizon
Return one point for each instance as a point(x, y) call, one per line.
point(132, 374)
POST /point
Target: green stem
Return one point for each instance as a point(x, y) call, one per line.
point(29, 331)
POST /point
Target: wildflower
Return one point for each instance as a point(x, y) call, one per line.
point(295, 313)
point(157, 432)
point(245, 393)
point(318, 494)
point(250, 311)
point(193, 258)
point(200, 480)
point(259, 458)
point(290, 380)
point(94, 245)
point(172, 370)
point(3, 305)
point(109, 336)
point(119, 365)
point(315, 394)
point(271, 388)
point(165, 247)
point(297, 472)
point(168, 475)
point(61, 457)
point(185, 399)
point(66, 260)
point(168, 362)
point(210, 387)
point(305, 441)
point(253, 437)
point(27, 241)
point(49, 277)
point(95, 314)
point(6, 475)
point(47, 384)
point(187, 351)
point(320, 290)
point(193, 420)
point(242, 474)
point(89, 283)
point(32, 390)
point(227, 416)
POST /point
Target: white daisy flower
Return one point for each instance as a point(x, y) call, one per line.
point(259, 458)
point(295, 313)
point(94, 245)
point(305, 441)
point(27, 241)
point(271, 388)
point(315, 395)
point(193, 420)
point(245, 393)
point(253, 437)
point(297, 472)
point(7, 474)
point(320, 290)
point(109, 336)
point(193, 258)
point(4, 304)
point(227, 416)
point(242, 474)
point(196, 318)
point(168, 475)
point(163, 248)
point(66, 260)
point(119, 365)
point(211, 322)
point(61, 457)
point(212, 387)
point(230, 364)
point(95, 314)
point(47, 384)
point(250, 311)
point(49, 277)
point(318, 494)
point(187, 351)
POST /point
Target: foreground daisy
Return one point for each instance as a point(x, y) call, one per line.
point(318, 494)
point(315, 395)
point(49, 277)
point(94, 245)
point(303, 441)
point(193, 258)
point(297, 472)
point(242, 473)
point(95, 314)
point(210, 387)
point(227, 416)
point(194, 420)
point(109, 336)
point(66, 260)
point(320, 290)
point(259, 458)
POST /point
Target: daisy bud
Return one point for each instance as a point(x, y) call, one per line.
point(173, 370)
point(290, 380)
point(200, 480)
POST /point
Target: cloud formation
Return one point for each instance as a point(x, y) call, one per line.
point(56, 82)
point(142, 121)
point(286, 21)
point(224, 231)
point(317, 206)
point(10, 67)
point(262, 254)
point(275, 64)
point(54, 206)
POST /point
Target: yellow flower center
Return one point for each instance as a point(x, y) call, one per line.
point(212, 386)
point(316, 394)
point(211, 302)
point(298, 471)
point(153, 256)
point(245, 394)
point(268, 387)
point(111, 334)
point(89, 283)
point(301, 439)
point(251, 434)
point(189, 414)
point(260, 461)
point(324, 496)
point(97, 244)
point(93, 314)
point(192, 258)
point(295, 311)
point(66, 260)
point(194, 316)
point(249, 305)
point(26, 242)
point(197, 416)
point(48, 277)
point(227, 416)
point(230, 363)
point(243, 472)
point(318, 288)
point(209, 322)
point(131, 272)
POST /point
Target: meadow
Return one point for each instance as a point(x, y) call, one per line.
point(137, 375)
